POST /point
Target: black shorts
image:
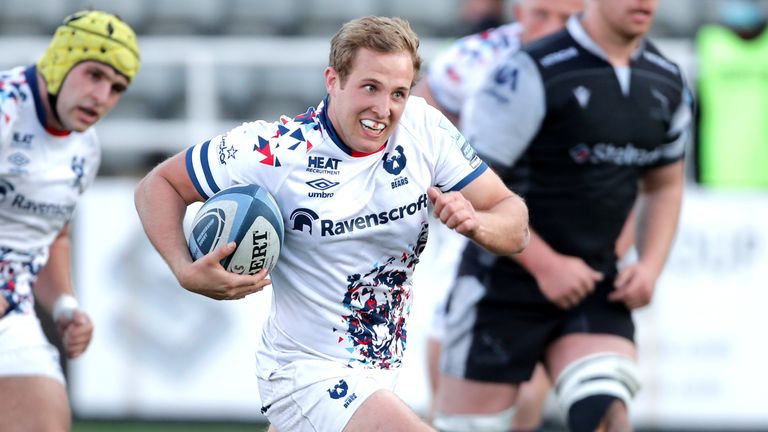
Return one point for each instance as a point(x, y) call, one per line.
point(498, 332)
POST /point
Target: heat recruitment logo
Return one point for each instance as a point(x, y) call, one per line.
point(329, 227)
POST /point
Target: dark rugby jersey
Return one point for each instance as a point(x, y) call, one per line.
point(573, 134)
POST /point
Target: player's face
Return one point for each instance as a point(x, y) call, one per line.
point(540, 18)
point(366, 108)
point(628, 19)
point(89, 91)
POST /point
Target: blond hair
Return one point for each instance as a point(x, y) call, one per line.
point(380, 34)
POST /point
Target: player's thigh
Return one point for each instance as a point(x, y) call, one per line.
point(33, 403)
point(384, 411)
point(531, 400)
point(463, 396)
point(433, 361)
point(493, 339)
point(595, 326)
point(566, 349)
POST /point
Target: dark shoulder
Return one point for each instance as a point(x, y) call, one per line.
point(551, 44)
point(559, 53)
point(652, 60)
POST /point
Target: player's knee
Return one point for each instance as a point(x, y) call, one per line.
point(587, 388)
point(493, 422)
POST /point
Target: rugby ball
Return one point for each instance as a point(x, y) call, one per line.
point(247, 215)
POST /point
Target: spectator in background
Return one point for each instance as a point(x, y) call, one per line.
point(732, 139)
point(452, 77)
point(333, 343)
point(575, 123)
point(49, 155)
point(479, 15)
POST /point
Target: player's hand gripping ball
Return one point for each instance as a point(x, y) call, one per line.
point(247, 215)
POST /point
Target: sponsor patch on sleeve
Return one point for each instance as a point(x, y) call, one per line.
point(466, 148)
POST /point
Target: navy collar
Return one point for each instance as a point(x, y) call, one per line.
point(31, 75)
point(328, 126)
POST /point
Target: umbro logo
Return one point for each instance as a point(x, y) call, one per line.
point(322, 185)
point(18, 159)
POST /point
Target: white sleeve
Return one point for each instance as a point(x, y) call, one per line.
point(231, 158)
point(505, 114)
point(445, 80)
point(455, 162)
point(201, 167)
point(460, 164)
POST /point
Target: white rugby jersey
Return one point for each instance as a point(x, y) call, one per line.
point(355, 225)
point(460, 69)
point(42, 174)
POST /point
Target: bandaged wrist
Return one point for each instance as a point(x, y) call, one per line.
point(64, 307)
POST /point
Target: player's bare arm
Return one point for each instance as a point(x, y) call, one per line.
point(486, 212)
point(660, 201)
point(55, 278)
point(161, 199)
point(565, 280)
point(55, 293)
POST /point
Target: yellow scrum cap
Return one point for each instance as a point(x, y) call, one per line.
point(89, 35)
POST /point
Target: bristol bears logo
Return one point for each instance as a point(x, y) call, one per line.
point(394, 162)
point(339, 390)
point(303, 217)
point(78, 168)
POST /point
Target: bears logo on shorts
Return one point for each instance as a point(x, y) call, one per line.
point(339, 390)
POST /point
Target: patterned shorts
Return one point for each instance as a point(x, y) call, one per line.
point(18, 272)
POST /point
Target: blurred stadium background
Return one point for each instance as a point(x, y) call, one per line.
point(165, 360)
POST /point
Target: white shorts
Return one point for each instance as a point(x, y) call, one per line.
point(319, 395)
point(24, 349)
